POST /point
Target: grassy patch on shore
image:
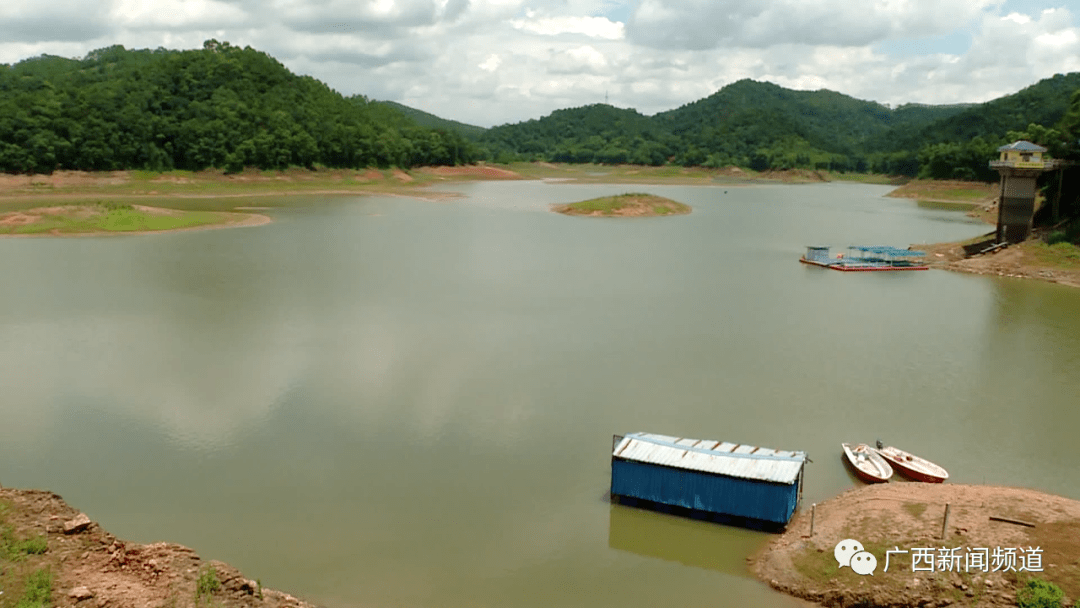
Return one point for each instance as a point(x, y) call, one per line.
point(25, 584)
point(962, 194)
point(821, 569)
point(972, 193)
point(37, 592)
point(1058, 255)
point(635, 204)
point(211, 182)
point(867, 178)
point(104, 217)
point(915, 508)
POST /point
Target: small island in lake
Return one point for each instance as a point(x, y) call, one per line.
point(114, 218)
point(624, 205)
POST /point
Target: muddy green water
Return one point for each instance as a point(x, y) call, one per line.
point(391, 402)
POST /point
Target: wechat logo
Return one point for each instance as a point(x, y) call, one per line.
point(850, 552)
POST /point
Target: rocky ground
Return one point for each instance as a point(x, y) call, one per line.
point(909, 515)
point(93, 569)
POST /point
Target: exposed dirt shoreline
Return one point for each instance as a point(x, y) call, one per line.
point(905, 516)
point(624, 205)
point(28, 217)
point(93, 569)
point(1016, 261)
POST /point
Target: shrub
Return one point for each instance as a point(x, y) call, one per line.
point(1038, 593)
point(207, 584)
point(1055, 237)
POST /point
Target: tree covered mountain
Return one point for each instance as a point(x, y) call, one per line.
point(596, 133)
point(221, 106)
point(1043, 103)
point(765, 126)
point(226, 107)
point(426, 119)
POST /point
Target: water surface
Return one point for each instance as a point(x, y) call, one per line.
point(383, 401)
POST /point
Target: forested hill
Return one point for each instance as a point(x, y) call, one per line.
point(764, 126)
point(1043, 104)
point(227, 107)
point(597, 133)
point(432, 121)
point(221, 106)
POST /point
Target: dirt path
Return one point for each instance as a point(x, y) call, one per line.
point(93, 569)
point(907, 516)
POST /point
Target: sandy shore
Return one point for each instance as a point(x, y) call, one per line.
point(906, 516)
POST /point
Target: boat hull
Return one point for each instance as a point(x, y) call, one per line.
point(857, 267)
point(872, 468)
point(867, 477)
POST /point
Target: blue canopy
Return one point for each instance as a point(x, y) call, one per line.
point(885, 250)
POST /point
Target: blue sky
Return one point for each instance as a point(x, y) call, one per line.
point(489, 62)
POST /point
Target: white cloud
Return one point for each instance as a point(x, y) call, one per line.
point(594, 27)
point(176, 14)
point(491, 63)
point(581, 60)
point(1017, 18)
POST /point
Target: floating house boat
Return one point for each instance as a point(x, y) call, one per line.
point(743, 482)
point(865, 258)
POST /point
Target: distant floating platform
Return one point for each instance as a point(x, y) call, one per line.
point(865, 258)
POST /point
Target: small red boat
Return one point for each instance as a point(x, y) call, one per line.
point(912, 466)
point(868, 464)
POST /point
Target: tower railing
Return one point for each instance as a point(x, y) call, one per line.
point(1043, 165)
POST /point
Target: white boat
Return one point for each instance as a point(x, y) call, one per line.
point(868, 464)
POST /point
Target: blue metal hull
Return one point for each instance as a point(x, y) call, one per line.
point(720, 494)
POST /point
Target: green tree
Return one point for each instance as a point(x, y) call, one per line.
point(221, 106)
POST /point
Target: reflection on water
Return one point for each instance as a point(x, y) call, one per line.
point(683, 540)
point(386, 401)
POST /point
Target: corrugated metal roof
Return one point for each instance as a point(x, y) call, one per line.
point(734, 460)
point(1022, 146)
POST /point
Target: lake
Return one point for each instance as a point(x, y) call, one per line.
point(384, 401)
